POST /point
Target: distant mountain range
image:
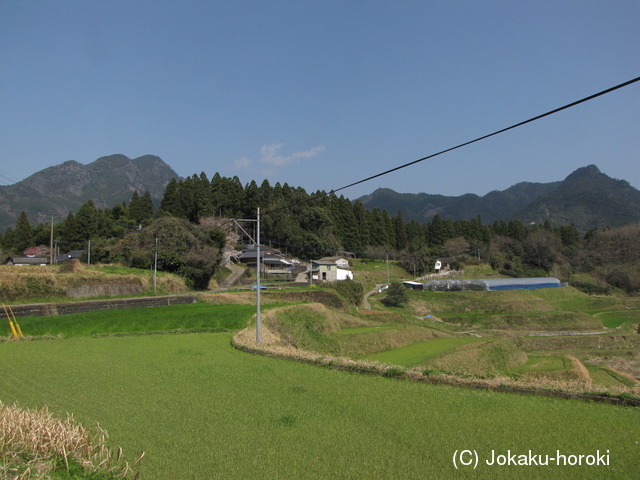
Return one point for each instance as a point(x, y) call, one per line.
point(587, 198)
point(65, 187)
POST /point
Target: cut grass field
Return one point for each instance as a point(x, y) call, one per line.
point(201, 409)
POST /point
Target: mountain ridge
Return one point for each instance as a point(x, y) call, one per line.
point(587, 198)
point(57, 190)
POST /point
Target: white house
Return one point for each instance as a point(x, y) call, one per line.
point(331, 269)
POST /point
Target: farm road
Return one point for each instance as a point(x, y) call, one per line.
point(236, 273)
point(365, 301)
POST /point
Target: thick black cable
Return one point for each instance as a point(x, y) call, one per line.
point(533, 119)
point(400, 167)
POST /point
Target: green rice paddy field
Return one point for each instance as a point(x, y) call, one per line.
point(201, 409)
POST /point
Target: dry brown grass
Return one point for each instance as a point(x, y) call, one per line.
point(580, 369)
point(33, 444)
point(20, 283)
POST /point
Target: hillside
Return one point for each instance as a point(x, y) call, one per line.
point(422, 207)
point(587, 198)
point(63, 188)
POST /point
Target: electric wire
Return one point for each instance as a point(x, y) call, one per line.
point(475, 140)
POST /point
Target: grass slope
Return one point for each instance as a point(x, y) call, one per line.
point(201, 409)
point(418, 353)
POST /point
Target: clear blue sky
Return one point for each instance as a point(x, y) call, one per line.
point(320, 94)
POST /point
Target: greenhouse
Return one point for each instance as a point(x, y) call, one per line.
point(491, 284)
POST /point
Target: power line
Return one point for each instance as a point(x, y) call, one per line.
point(533, 119)
point(484, 137)
point(6, 178)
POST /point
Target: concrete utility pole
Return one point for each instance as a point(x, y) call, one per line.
point(258, 282)
point(258, 265)
point(155, 266)
point(51, 242)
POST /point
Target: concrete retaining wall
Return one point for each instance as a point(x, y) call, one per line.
point(45, 309)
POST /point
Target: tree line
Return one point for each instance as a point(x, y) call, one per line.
point(310, 225)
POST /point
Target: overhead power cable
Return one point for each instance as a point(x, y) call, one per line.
point(533, 119)
point(516, 125)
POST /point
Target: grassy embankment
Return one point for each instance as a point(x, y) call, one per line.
point(35, 284)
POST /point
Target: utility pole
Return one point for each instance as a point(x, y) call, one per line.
point(51, 242)
point(155, 266)
point(258, 265)
point(388, 281)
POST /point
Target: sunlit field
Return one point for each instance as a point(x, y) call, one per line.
point(201, 409)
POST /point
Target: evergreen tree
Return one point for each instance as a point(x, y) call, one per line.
point(378, 234)
point(23, 234)
point(400, 232)
point(147, 206)
point(388, 228)
point(86, 221)
point(170, 201)
point(516, 230)
point(135, 207)
point(252, 197)
point(266, 193)
point(396, 295)
point(362, 222)
point(436, 232)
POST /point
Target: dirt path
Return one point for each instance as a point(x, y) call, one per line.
point(236, 273)
point(365, 301)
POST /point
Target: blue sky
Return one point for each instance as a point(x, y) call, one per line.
point(320, 94)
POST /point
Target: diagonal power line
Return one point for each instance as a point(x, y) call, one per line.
point(533, 119)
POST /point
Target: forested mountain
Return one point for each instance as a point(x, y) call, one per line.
point(422, 207)
point(64, 188)
point(587, 199)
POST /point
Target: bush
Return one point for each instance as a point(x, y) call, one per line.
point(351, 290)
point(396, 295)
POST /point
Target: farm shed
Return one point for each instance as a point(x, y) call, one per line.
point(490, 284)
point(414, 285)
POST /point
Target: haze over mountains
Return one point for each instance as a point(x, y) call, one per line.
point(587, 198)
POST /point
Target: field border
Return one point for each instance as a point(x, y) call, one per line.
point(400, 373)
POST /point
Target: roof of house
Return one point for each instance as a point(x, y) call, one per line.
point(331, 259)
point(69, 255)
point(28, 260)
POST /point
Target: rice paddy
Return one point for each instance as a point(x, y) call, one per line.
point(201, 409)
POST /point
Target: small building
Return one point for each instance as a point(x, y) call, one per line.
point(273, 260)
point(23, 261)
point(331, 269)
point(413, 285)
point(66, 257)
point(443, 263)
